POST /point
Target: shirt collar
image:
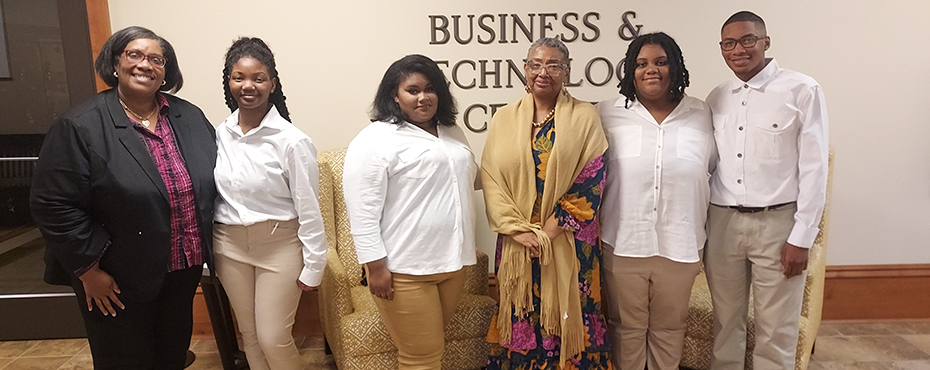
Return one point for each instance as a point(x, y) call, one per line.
point(762, 78)
point(272, 120)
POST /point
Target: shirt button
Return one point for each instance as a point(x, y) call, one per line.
point(744, 104)
point(739, 155)
point(140, 233)
point(739, 181)
point(745, 86)
point(741, 128)
point(774, 125)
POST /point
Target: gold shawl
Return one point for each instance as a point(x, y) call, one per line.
point(508, 177)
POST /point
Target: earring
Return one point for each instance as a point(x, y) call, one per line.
point(527, 88)
point(115, 74)
point(565, 91)
point(163, 82)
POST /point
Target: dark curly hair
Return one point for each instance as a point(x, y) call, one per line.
point(109, 55)
point(676, 66)
point(256, 48)
point(384, 108)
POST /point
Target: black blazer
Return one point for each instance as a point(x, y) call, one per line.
point(97, 190)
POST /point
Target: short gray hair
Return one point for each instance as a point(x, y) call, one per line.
point(551, 42)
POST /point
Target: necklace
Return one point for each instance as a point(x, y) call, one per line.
point(145, 119)
point(546, 119)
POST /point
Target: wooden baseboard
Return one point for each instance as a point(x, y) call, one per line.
point(877, 292)
point(860, 292)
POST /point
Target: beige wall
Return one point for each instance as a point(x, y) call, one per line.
point(869, 56)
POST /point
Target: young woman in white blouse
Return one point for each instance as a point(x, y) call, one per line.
point(654, 204)
point(269, 238)
point(409, 178)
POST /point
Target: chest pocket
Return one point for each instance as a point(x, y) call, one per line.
point(775, 134)
point(692, 145)
point(629, 142)
point(416, 162)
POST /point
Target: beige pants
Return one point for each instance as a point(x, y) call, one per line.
point(647, 309)
point(259, 270)
point(416, 318)
point(743, 250)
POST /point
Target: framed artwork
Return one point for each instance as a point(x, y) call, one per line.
point(5, 72)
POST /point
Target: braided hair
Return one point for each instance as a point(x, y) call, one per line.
point(678, 74)
point(256, 48)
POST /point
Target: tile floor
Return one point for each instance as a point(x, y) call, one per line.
point(886, 345)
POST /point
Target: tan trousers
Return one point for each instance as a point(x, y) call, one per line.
point(743, 251)
point(647, 309)
point(259, 270)
point(416, 318)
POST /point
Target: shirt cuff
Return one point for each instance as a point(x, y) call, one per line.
point(369, 255)
point(310, 277)
point(802, 236)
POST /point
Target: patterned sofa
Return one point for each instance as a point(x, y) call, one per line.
point(351, 322)
point(699, 338)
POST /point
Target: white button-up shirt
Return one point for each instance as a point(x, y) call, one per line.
point(657, 189)
point(409, 197)
point(771, 133)
point(271, 173)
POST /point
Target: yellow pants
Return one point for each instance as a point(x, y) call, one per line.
point(416, 318)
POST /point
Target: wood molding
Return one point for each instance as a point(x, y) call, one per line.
point(877, 292)
point(98, 26)
point(860, 292)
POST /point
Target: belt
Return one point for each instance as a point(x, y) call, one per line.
point(744, 209)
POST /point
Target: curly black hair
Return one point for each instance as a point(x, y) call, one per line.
point(106, 61)
point(384, 108)
point(676, 65)
point(256, 48)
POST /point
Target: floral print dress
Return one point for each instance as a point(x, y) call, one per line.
point(531, 348)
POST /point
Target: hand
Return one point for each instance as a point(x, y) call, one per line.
point(100, 288)
point(306, 287)
point(552, 228)
point(528, 239)
point(380, 281)
point(793, 260)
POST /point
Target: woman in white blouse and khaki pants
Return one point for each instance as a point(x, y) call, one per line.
point(269, 239)
point(408, 183)
point(655, 203)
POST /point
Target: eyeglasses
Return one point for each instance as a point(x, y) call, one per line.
point(136, 57)
point(746, 41)
point(554, 70)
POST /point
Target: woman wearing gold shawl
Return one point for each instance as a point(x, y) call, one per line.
point(542, 173)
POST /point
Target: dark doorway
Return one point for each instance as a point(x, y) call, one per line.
point(48, 52)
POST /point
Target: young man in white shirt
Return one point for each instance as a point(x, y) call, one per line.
point(767, 196)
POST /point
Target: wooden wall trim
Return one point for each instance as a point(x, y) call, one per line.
point(877, 292)
point(98, 24)
point(861, 292)
point(874, 271)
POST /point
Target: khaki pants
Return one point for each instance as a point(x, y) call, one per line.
point(259, 271)
point(647, 309)
point(743, 251)
point(416, 318)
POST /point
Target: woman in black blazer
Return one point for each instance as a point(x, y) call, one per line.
point(123, 193)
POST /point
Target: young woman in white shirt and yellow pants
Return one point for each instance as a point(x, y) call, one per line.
point(408, 180)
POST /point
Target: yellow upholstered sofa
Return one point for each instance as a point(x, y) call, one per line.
point(351, 322)
point(699, 338)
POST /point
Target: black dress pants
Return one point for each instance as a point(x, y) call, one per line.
point(151, 335)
